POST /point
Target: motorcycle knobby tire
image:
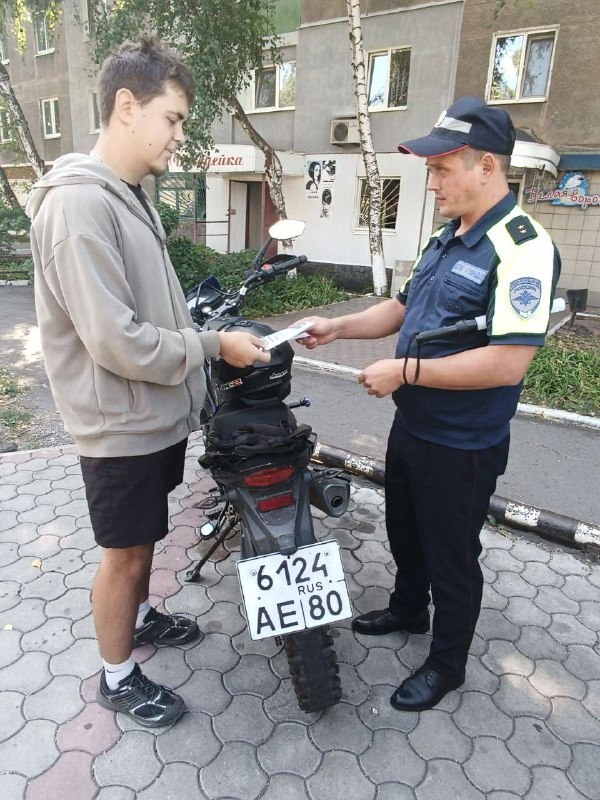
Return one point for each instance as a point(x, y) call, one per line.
point(314, 669)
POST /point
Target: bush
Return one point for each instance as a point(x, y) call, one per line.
point(565, 374)
point(16, 270)
point(193, 263)
point(13, 224)
point(169, 217)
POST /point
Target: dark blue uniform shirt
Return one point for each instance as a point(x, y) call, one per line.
point(481, 272)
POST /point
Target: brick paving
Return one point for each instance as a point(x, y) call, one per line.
point(526, 723)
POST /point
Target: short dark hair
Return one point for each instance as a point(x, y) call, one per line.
point(144, 68)
point(470, 155)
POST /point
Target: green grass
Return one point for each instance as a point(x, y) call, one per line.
point(9, 388)
point(565, 374)
point(13, 420)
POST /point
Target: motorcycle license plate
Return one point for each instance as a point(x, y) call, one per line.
point(283, 594)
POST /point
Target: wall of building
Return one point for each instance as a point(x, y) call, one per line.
point(570, 114)
point(567, 119)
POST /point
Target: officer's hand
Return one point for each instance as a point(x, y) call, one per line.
point(382, 377)
point(242, 349)
point(321, 331)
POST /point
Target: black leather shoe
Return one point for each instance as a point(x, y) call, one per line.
point(378, 623)
point(424, 689)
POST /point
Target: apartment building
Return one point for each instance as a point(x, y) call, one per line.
point(534, 59)
point(537, 60)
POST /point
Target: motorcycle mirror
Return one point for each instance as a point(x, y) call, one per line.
point(285, 229)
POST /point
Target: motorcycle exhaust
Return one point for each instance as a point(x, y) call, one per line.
point(329, 491)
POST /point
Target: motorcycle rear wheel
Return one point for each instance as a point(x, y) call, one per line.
point(314, 668)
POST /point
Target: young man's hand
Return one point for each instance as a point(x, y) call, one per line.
point(242, 349)
point(321, 331)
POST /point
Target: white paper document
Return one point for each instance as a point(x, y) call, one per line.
point(295, 331)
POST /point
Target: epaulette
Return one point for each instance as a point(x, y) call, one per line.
point(521, 229)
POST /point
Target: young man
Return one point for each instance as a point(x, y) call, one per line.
point(450, 436)
point(121, 353)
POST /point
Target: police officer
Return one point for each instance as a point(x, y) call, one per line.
point(454, 396)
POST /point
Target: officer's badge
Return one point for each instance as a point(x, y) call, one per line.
point(525, 296)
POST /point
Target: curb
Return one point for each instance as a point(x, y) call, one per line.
point(546, 524)
point(526, 409)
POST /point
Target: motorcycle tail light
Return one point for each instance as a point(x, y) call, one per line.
point(275, 502)
point(268, 477)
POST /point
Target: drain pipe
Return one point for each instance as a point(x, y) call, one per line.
point(547, 524)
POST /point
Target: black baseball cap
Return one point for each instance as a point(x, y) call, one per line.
point(469, 122)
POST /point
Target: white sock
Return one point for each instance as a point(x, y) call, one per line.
point(116, 672)
point(143, 609)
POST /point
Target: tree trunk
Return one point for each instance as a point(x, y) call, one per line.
point(7, 192)
point(18, 118)
point(366, 146)
point(273, 169)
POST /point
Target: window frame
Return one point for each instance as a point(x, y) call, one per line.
point(383, 51)
point(4, 59)
point(54, 105)
point(184, 182)
point(528, 33)
point(269, 109)
point(93, 109)
point(365, 228)
point(5, 126)
point(48, 34)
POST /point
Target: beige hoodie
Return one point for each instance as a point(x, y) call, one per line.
point(123, 359)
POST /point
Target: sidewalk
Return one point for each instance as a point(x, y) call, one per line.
point(525, 724)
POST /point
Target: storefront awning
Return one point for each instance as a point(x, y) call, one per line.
point(579, 161)
point(531, 153)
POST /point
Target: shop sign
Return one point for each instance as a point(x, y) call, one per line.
point(223, 158)
point(572, 190)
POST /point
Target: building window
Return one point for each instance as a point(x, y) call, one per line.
point(50, 118)
point(94, 113)
point(186, 193)
point(3, 46)
point(44, 41)
point(275, 87)
point(5, 127)
point(390, 195)
point(388, 79)
point(520, 67)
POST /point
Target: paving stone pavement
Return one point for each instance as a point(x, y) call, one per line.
point(526, 723)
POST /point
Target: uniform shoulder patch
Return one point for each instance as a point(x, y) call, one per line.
point(521, 229)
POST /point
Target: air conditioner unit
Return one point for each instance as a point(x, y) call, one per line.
point(344, 130)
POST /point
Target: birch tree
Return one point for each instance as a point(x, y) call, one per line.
point(13, 15)
point(222, 42)
point(368, 151)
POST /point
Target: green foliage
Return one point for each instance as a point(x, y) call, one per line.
point(193, 263)
point(15, 419)
point(565, 374)
point(9, 388)
point(221, 42)
point(14, 224)
point(168, 216)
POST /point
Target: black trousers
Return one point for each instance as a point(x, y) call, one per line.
point(436, 503)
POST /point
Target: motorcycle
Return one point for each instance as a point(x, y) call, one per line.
point(292, 585)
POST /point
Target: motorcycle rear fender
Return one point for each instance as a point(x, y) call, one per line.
point(280, 531)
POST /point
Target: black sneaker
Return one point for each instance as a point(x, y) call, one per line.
point(146, 702)
point(161, 628)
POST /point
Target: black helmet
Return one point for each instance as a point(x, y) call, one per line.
point(259, 384)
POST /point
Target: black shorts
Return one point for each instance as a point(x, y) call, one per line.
point(128, 495)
